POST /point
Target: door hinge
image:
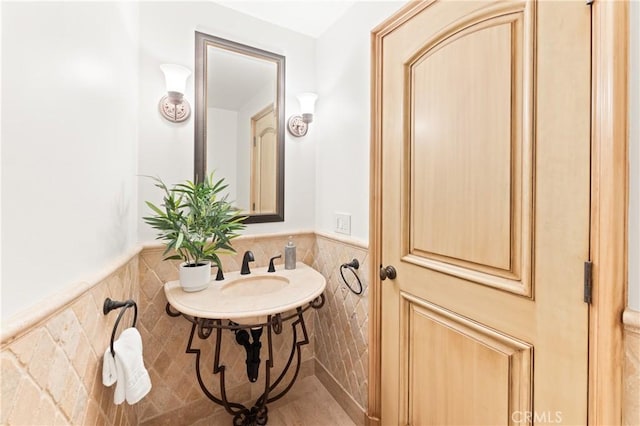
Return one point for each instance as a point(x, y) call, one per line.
point(254, 141)
point(588, 281)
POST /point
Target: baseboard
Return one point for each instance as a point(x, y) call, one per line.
point(342, 397)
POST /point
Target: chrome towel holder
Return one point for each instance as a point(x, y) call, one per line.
point(109, 305)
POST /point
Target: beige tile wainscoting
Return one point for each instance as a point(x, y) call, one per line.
point(176, 397)
point(341, 349)
point(52, 369)
point(631, 374)
point(52, 362)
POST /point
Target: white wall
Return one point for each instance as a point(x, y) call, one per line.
point(634, 156)
point(69, 131)
point(165, 149)
point(1, 44)
point(342, 119)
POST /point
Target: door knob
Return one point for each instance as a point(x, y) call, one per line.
point(388, 272)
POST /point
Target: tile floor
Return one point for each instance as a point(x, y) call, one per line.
point(307, 404)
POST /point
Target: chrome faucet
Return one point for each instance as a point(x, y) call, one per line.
point(248, 257)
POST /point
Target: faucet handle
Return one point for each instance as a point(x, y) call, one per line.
point(272, 268)
point(219, 275)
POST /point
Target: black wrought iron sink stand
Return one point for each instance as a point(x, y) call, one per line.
point(258, 413)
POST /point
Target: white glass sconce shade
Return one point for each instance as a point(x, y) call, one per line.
point(173, 106)
point(307, 105)
point(175, 77)
point(299, 124)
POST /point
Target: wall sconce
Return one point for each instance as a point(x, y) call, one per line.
point(299, 124)
point(173, 106)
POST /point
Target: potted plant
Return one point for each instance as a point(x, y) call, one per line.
point(196, 223)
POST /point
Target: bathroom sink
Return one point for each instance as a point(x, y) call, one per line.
point(254, 285)
point(249, 299)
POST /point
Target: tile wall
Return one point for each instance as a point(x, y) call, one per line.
point(176, 396)
point(341, 326)
point(52, 373)
point(631, 373)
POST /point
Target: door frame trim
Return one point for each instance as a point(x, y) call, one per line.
point(609, 203)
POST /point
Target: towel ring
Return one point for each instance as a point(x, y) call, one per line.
point(109, 305)
point(352, 266)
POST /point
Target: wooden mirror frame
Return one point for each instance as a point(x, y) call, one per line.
point(203, 41)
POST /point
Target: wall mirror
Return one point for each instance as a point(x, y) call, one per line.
point(239, 124)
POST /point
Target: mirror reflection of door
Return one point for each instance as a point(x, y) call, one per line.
point(263, 161)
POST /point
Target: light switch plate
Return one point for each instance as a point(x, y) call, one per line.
point(342, 223)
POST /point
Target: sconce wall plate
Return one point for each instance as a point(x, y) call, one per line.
point(174, 112)
point(173, 107)
point(299, 124)
point(296, 126)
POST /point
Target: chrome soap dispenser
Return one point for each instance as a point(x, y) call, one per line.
point(290, 255)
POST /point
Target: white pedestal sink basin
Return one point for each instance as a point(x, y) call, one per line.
point(249, 299)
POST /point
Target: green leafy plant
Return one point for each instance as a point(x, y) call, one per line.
point(195, 220)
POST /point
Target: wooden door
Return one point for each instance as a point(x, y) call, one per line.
point(264, 160)
point(483, 124)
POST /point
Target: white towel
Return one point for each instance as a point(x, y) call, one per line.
point(126, 369)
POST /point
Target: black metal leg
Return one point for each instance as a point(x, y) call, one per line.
point(258, 413)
